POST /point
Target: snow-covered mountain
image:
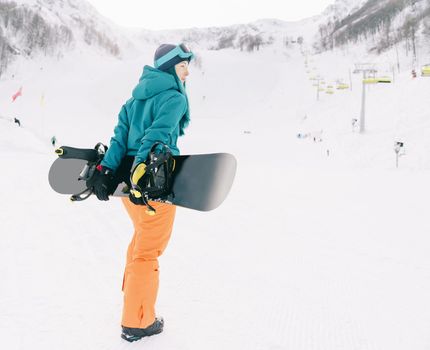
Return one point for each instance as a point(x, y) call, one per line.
point(32, 27)
point(379, 24)
point(341, 8)
point(249, 36)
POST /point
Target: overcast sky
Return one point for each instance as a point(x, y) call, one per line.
point(169, 14)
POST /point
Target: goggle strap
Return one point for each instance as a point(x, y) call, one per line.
point(177, 51)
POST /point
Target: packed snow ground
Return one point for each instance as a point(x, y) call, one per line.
point(310, 251)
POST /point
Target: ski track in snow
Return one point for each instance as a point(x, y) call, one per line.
point(308, 252)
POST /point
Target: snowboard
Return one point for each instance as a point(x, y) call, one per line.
point(200, 181)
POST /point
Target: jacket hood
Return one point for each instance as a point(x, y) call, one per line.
point(152, 82)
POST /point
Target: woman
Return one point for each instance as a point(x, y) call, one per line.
point(157, 112)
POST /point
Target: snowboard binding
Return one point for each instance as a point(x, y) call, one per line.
point(156, 180)
point(93, 157)
point(155, 184)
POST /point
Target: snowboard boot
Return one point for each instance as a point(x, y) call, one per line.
point(133, 334)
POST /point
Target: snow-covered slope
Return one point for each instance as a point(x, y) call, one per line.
point(321, 244)
point(332, 253)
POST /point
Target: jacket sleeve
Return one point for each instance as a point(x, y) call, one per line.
point(118, 142)
point(166, 120)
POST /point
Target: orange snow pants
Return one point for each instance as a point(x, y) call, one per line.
point(140, 285)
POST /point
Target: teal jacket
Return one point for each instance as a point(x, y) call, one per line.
point(158, 111)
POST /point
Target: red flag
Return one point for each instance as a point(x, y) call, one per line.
point(18, 93)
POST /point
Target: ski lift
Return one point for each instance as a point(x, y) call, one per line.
point(370, 80)
point(384, 79)
point(425, 70)
point(342, 86)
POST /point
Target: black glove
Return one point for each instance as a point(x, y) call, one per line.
point(103, 183)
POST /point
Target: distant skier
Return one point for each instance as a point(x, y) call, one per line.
point(157, 111)
point(354, 124)
point(53, 141)
point(16, 121)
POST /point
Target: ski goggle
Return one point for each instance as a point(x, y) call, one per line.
point(181, 51)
